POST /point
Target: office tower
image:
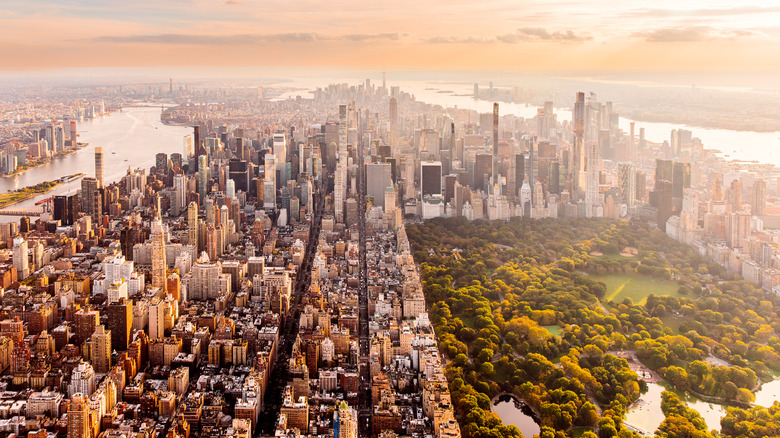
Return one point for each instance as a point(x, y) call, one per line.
point(482, 172)
point(196, 141)
point(641, 186)
point(73, 134)
point(230, 188)
point(192, 224)
point(101, 349)
point(759, 198)
point(393, 124)
point(269, 183)
point(120, 323)
point(203, 176)
point(180, 188)
point(592, 198)
point(79, 421)
point(627, 183)
point(519, 175)
point(578, 154)
point(690, 209)
point(378, 178)
point(91, 198)
point(430, 178)
point(681, 178)
point(494, 172)
point(280, 152)
point(665, 204)
point(159, 266)
point(554, 178)
point(156, 319)
point(99, 166)
point(239, 172)
point(340, 178)
point(21, 258)
point(66, 207)
point(346, 423)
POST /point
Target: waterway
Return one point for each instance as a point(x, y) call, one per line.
point(733, 145)
point(513, 411)
point(130, 138)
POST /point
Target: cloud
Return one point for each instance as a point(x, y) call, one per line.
point(525, 34)
point(692, 34)
point(701, 13)
point(244, 39)
point(458, 40)
point(540, 34)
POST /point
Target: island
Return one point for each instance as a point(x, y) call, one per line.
point(28, 192)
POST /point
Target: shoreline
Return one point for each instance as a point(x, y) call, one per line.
point(71, 150)
point(27, 196)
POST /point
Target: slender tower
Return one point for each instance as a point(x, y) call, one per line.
point(495, 144)
point(159, 266)
point(99, 165)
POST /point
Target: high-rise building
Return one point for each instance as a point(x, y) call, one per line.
point(759, 198)
point(82, 380)
point(156, 319)
point(203, 176)
point(66, 207)
point(99, 166)
point(180, 186)
point(378, 178)
point(269, 182)
point(482, 172)
point(347, 422)
point(578, 154)
point(159, 265)
point(91, 198)
point(73, 134)
point(120, 323)
point(393, 140)
point(21, 258)
point(79, 421)
point(494, 171)
point(593, 203)
point(192, 225)
point(101, 349)
point(340, 178)
point(627, 183)
point(430, 178)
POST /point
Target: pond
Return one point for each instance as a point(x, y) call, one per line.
point(513, 411)
point(768, 393)
point(646, 414)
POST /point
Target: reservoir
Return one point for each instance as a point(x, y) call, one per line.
point(513, 411)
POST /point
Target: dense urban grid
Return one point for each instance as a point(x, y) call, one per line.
point(261, 281)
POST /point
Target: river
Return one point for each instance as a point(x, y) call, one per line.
point(734, 145)
point(131, 137)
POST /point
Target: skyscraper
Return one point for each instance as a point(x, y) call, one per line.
point(578, 154)
point(101, 349)
point(180, 186)
point(592, 198)
point(340, 178)
point(120, 323)
point(192, 224)
point(393, 124)
point(378, 178)
point(627, 183)
point(21, 258)
point(79, 423)
point(759, 198)
point(494, 172)
point(203, 176)
point(91, 198)
point(99, 166)
point(159, 266)
point(430, 178)
point(156, 319)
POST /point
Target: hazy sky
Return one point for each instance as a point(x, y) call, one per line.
point(538, 36)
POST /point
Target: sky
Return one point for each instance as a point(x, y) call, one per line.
point(545, 36)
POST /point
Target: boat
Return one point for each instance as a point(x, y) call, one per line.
point(113, 153)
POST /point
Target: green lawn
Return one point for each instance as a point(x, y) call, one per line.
point(635, 286)
point(553, 329)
